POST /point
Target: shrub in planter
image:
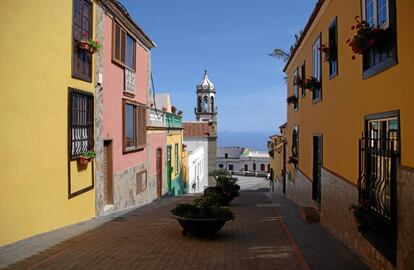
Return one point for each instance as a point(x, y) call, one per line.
point(173, 109)
point(293, 160)
point(203, 217)
point(226, 189)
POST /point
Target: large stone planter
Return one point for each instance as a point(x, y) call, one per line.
point(201, 227)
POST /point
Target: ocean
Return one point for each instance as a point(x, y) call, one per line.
point(256, 140)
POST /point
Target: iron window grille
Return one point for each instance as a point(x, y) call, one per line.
point(377, 186)
point(81, 124)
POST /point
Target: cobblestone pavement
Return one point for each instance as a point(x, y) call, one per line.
point(151, 239)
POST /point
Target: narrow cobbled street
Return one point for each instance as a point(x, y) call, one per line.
point(148, 238)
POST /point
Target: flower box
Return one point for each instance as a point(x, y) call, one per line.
point(365, 37)
point(311, 84)
point(291, 100)
point(86, 157)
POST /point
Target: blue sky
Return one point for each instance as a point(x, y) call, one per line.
point(232, 39)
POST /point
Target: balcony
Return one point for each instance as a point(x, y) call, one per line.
point(173, 121)
point(156, 118)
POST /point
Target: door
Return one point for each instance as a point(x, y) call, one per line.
point(107, 174)
point(159, 171)
point(169, 171)
point(317, 168)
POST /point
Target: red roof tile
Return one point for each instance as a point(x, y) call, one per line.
point(197, 129)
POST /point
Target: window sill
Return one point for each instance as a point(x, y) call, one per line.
point(133, 150)
point(128, 94)
point(316, 100)
point(390, 62)
point(82, 77)
point(333, 76)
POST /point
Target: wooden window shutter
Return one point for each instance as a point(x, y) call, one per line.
point(142, 127)
point(118, 44)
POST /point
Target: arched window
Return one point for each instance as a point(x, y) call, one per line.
point(206, 104)
point(199, 104)
point(254, 167)
point(212, 104)
point(262, 167)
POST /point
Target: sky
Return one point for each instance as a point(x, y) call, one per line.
point(232, 40)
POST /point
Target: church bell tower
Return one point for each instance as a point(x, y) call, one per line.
point(206, 109)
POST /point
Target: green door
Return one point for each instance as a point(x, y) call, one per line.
point(169, 167)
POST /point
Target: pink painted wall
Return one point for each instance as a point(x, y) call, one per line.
point(157, 141)
point(112, 99)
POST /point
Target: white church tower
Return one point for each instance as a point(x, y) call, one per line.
point(206, 107)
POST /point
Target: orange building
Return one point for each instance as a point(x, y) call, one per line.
point(350, 126)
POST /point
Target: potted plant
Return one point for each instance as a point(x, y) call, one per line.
point(291, 99)
point(365, 37)
point(311, 84)
point(225, 189)
point(180, 113)
point(293, 160)
point(173, 109)
point(362, 216)
point(297, 81)
point(326, 52)
point(89, 44)
point(86, 156)
point(203, 217)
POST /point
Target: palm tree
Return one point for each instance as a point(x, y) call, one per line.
point(283, 55)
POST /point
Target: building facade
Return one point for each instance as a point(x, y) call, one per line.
point(126, 69)
point(47, 108)
point(348, 132)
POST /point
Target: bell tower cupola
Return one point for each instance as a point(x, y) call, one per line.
point(206, 109)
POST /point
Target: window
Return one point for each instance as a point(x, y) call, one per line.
point(296, 89)
point(123, 47)
point(254, 167)
point(141, 181)
point(80, 122)
point(81, 29)
point(376, 12)
point(379, 158)
point(230, 167)
point(262, 167)
point(176, 158)
point(295, 144)
point(380, 14)
point(221, 166)
point(246, 167)
point(303, 77)
point(333, 49)
point(317, 69)
point(134, 126)
point(226, 155)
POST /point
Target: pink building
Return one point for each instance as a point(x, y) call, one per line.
point(126, 168)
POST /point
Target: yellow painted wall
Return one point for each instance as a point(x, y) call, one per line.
point(35, 73)
point(173, 137)
point(347, 98)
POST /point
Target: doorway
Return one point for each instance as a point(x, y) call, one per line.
point(108, 174)
point(317, 168)
point(159, 171)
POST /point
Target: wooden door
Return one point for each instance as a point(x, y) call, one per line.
point(107, 174)
point(159, 171)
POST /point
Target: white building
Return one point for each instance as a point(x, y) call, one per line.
point(243, 161)
point(197, 173)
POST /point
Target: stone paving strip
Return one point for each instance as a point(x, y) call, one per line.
point(151, 239)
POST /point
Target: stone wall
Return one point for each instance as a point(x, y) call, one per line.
point(99, 186)
point(337, 196)
point(299, 189)
point(125, 188)
point(405, 190)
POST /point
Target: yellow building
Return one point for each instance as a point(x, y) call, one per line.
point(277, 152)
point(174, 154)
point(350, 129)
point(46, 108)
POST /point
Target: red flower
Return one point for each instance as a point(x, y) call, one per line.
point(371, 42)
point(376, 30)
point(348, 40)
point(353, 27)
point(353, 57)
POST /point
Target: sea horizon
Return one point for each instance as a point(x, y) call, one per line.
point(255, 140)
